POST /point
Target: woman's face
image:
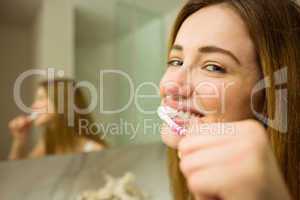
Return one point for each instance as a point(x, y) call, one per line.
point(43, 105)
point(212, 69)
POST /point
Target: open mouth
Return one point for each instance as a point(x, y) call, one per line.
point(177, 119)
point(181, 116)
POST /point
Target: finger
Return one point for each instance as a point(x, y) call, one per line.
point(18, 123)
point(26, 120)
point(21, 123)
point(198, 127)
point(208, 135)
point(26, 127)
point(208, 183)
point(202, 197)
point(12, 124)
point(190, 144)
point(211, 157)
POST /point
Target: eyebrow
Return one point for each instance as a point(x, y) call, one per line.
point(211, 49)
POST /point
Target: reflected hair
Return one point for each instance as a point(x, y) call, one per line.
point(59, 136)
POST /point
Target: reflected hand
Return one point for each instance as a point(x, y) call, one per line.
point(19, 128)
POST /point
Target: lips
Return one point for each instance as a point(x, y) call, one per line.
point(184, 109)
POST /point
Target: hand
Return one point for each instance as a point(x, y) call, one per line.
point(230, 166)
point(19, 128)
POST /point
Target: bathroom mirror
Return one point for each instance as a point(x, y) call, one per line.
point(116, 50)
point(126, 40)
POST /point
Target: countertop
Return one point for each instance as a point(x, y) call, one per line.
point(64, 177)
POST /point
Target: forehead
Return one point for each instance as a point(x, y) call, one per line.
point(218, 25)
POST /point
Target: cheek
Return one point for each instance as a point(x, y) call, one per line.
point(163, 83)
point(209, 96)
point(169, 80)
point(166, 77)
point(238, 102)
point(225, 99)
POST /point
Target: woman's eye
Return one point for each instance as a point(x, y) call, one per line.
point(175, 63)
point(215, 68)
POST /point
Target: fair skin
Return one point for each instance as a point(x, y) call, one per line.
point(215, 86)
point(20, 129)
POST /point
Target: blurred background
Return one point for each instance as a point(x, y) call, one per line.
point(82, 37)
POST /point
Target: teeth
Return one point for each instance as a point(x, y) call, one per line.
point(171, 112)
point(174, 113)
point(184, 115)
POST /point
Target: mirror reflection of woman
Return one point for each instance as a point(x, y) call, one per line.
point(216, 43)
point(58, 136)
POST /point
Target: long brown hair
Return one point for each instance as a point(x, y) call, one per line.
point(274, 26)
point(60, 136)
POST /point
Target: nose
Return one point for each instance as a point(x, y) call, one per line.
point(177, 85)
